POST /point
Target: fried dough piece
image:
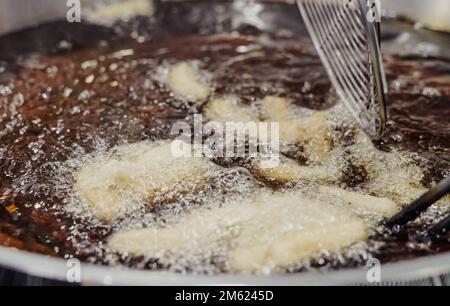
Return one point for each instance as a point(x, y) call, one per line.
point(399, 184)
point(274, 109)
point(185, 80)
point(288, 170)
point(193, 232)
point(118, 185)
point(293, 246)
point(295, 229)
point(369, 204)
point(317, 137)
point(227, 109)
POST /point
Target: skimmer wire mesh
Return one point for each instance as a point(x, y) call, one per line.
point(346, 36)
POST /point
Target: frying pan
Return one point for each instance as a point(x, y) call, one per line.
point(15, 15)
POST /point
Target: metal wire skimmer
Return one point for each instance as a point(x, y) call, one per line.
point(346, 34)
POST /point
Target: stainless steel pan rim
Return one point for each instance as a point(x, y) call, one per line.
point(56, 268)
